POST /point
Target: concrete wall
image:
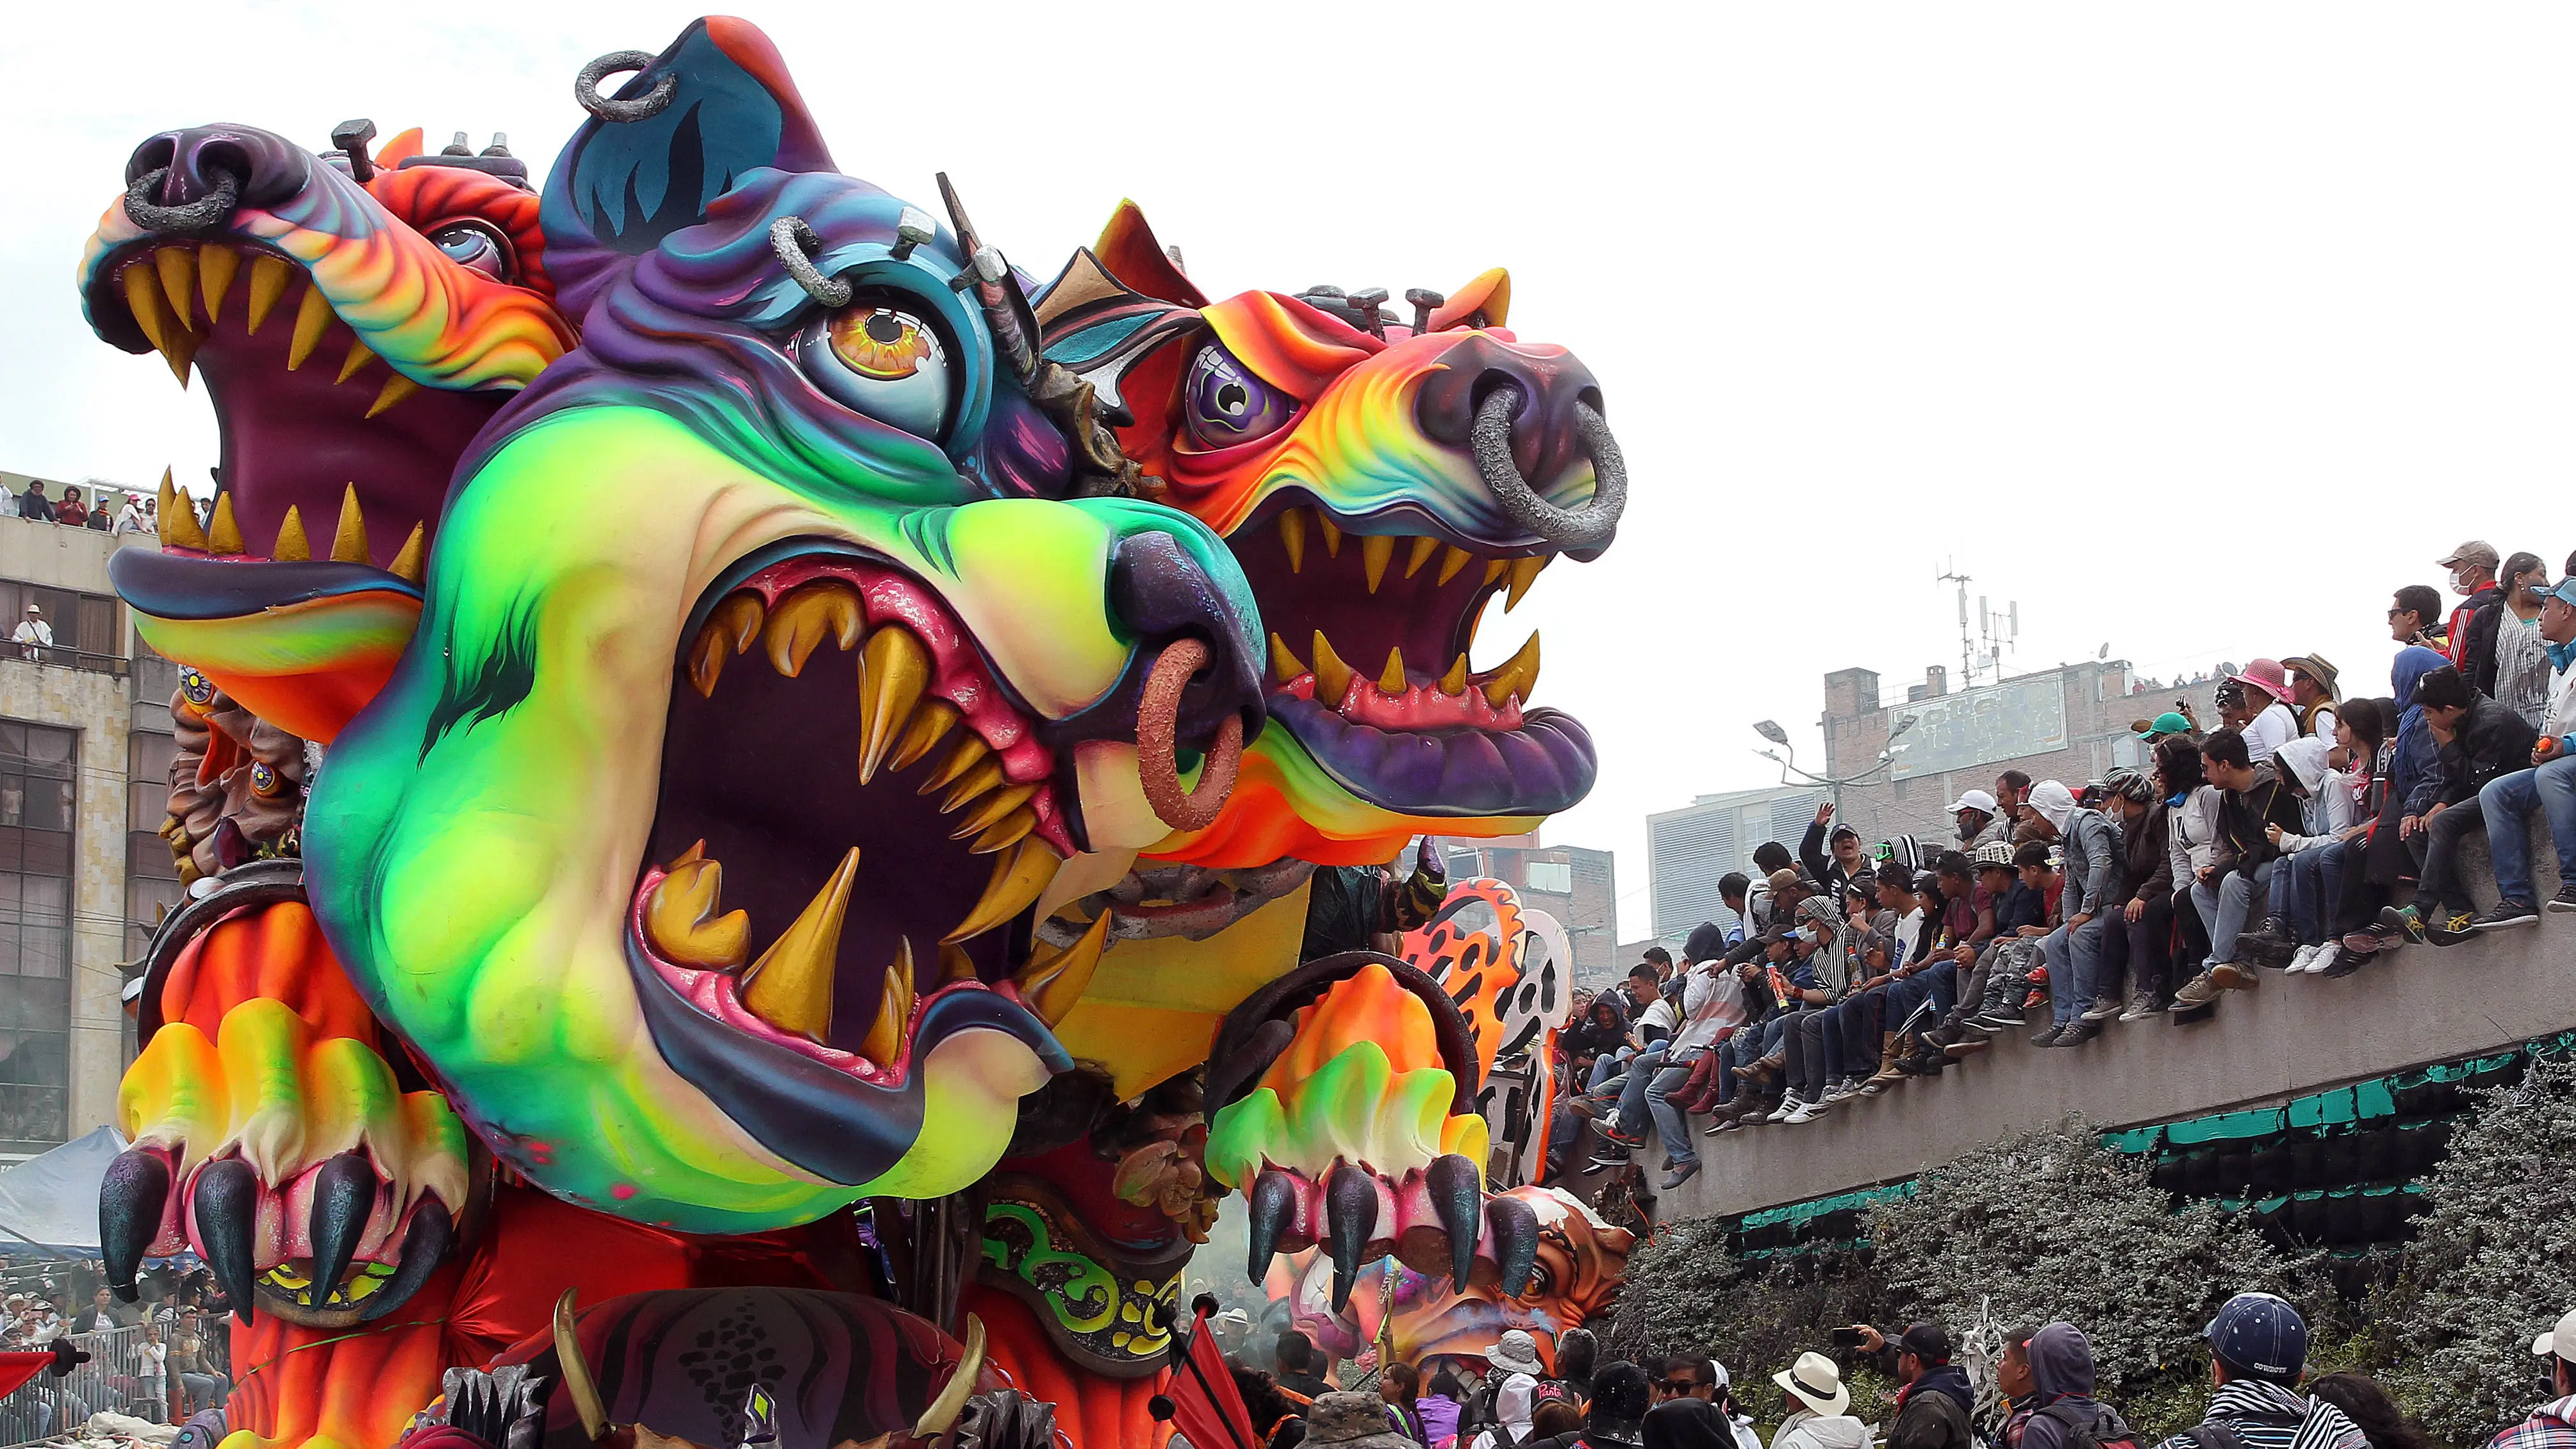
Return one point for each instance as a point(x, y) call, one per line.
point(2291, 1036)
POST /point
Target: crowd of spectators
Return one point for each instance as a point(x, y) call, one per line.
point(171, 1357)
point(108, 510)
point(2037, 1393)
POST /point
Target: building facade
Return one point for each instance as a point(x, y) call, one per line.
point(1690, 849)
point(1575, 885)
point(85, 750)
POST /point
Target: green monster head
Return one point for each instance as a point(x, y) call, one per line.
point(763, 678)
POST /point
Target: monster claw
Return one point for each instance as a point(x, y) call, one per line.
point(130, 1201)
point(1350, 1214)
point(1515, 1230)
point(1457, 1193)
point(1274, 1204)
point(226, 1204)
point(344, 1197)
point(423, 1249)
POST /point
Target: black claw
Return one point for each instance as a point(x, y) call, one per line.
point(227, 1202)
point(1458, 1195)
point(1350, 1217)
point(344, 1197)
point(130, 1200)
point(1515, 1241)
point(1274, 1201)
point(423, 1249)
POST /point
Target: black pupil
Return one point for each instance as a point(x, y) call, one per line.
point(1231, 398)
point(885, 329)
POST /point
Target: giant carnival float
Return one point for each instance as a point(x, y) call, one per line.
point(779, 814)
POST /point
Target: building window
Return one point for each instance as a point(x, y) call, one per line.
point(88, 629)
point(1549, 875)
point(36, 811)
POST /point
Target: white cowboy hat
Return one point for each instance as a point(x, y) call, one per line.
point(1815, 1382)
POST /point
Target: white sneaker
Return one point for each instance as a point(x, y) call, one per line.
point(1789, 1107)
point(1807, 1112)
point(2303, 959)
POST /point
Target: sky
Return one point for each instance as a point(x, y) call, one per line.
point(2195, 329)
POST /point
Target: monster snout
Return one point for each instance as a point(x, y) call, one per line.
point(191, 180)
point(1529, 417)
point(1201, 690)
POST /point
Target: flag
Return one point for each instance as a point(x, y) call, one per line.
point(1205, 1407)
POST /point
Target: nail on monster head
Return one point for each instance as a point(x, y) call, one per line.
point(767, 670)
point(1381, 482)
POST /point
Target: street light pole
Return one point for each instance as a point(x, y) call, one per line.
point(1770, 730)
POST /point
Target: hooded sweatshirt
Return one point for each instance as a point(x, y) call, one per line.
point(2413, 763)
point(2551, 1423)
point(1807, 1429)
point(1439, 1416)
point(2328, 810)
point(2264, 1415)
point(1932, 1412)
point(2096, 866)
point(2061, 1366)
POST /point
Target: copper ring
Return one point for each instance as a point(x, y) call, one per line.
point(1158, 719)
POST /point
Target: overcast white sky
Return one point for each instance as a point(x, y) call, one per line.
point(2196, 328)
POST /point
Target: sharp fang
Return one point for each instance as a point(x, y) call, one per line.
point(1054, 981)
point(894, 1009)
point(1519, 675)
point(955, 965)
point(1004, 833)
point(359, 356)
point(1292, 537)
point(681, 919)
point(1524, 573)
point(178, 268)
point(970, 748)
point(1422, 550)
point(992, 807)
point(1452, 561)
point(291, 546)
point(216, 265)
point(1455, 681)
point(894, 669)
point(408, 564)
point(179, 516)
point(930, 724)
point(1495, 568)
point(1391, 678)
point(311, 316)
point(804, 619)
point(396, 388)
point(1332, 535)
point(223, 534)
point(1332, 676)
point(268, 278)
point(144, 300)
point(728, 630)
point(985, 776)
point(349, 540)
point(790, 986)
point(1376, 551)
point(1283, 663)
point(1020, 874)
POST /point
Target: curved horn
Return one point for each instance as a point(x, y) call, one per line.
point(796, 245)
point(585, 87)
point(1587, 527)
point(942, 1414)
point(576, 1373)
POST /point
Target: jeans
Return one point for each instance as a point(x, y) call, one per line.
point(1937, 984)
point(1805, 1040)
point(2074, 961)
point(2308, 891)
point(2507, 803)
point(1669, 1121)
point(1608, 1065)
point(1743, 1049)
point(2438, 886)
point(2150, 940)
point(1631, 1117)
point(2226, 905)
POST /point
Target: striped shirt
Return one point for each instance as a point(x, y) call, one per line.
point(2267, 1416)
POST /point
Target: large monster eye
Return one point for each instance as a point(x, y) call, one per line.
point(1228, 405)
point(473, 245)
point(883, 358)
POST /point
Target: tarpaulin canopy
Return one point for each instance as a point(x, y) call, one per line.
point(52, 1199)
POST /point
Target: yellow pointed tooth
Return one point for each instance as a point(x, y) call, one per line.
point(359, 356)
point(1004, 833)
point(1332, 535)
point(268, 278)
point(1283, 663)
point(894, 1009)
point(216, 266)
point(1020, 874)
point(984, 777)
point(682, 921)
point(894, 669)
point(992, 807)
point(223, 535)
point(930, 724)
point(1054, 980)
point(179, 516)
point(178, 268)
point(291, 546)
point(970, 748)
point(824, 609)
point(396, 388)
point(349, 539)
point(1524, 573)
point(311, 316)
point(790, 986)
point(1495, 568)
point(1519, 675)
point(1455, 681)
point(1452, 561)
point(1391, 678)
point(1423, 548)
point(955, 964)
point(1376, 551)
point(143, 299)
point(408, 564)
point(1292, 537)
point(728, 631)
point(1332, 676)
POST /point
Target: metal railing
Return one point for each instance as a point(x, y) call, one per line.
point(46, 1406)
point(63, 657)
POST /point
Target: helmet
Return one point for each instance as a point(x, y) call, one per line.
point(2130, 783)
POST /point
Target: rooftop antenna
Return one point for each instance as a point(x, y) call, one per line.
point(1967, 653)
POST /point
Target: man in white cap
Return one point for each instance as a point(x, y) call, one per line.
point(2553, 1424)
point(1818, 1397)
point(34, 635)
point(1978, 821)
point(1515, 1367)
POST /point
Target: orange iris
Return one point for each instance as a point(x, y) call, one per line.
point(882, 343)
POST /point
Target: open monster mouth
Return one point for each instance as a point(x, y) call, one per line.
point(1369, 636)
point(829, 715)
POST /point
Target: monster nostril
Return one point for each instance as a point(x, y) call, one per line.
point(1590, 397)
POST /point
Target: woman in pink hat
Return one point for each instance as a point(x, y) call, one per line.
point(2273, 725)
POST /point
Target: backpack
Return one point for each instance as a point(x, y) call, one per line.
point(2103, 1429)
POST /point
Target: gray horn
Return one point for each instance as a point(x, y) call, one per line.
point(1587, 527)
point(585, 87)
point(796, 245)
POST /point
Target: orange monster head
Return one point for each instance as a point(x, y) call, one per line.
point(1380, 483)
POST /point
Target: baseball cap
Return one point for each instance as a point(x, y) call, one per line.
point(2171, 722)
point(1971, 800)
point(2475, 551)
point(2559, 1341)
point(1926, 1341)
point(2260, 1335)
point(1841, 829)
point(2564, 591)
